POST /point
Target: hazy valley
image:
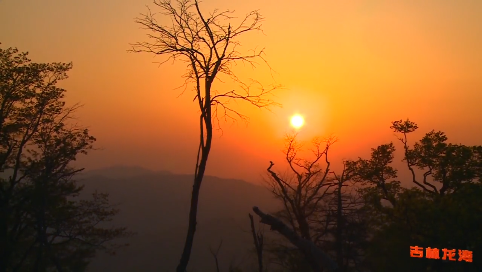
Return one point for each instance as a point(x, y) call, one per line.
point(155, 205)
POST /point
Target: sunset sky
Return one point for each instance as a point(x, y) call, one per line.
point(348, 67)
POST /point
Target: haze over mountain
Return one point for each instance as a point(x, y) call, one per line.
point(155, 205)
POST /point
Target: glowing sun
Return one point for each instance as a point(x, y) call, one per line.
point(297, 121)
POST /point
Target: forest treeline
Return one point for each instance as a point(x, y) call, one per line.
point(365, 220)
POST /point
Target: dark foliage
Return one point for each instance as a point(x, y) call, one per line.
point(43, 226)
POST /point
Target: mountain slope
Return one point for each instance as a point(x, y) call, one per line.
point(156, 206)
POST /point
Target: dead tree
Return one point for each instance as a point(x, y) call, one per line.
point(303, 189)
point(258, 243)
point(302, 195)
point(208, 45)
point(315, 256)
point(316, 206)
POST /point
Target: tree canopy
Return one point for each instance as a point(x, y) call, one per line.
point(375, 223)
point(44, 225)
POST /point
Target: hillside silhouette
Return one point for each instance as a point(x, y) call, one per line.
point(155, 206)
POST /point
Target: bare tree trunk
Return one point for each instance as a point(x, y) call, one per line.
point(339, 226)
point(186, 253)
point(317, 258)
point(204, 148)
point(258, 244)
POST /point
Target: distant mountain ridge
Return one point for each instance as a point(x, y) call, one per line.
point(155, 204)
point(120, 171)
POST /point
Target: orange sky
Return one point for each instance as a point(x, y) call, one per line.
point(350, 67)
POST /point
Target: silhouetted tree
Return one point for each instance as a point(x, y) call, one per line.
point(319, 260)
point(303, 190)
point(302, 193)
point(318, 208)
point(208, 44)
point(344, 223)
point(42, 225)
point(450, 165)
point(442, 210)
point(258, 240)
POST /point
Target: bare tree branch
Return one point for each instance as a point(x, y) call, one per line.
point(258, 243)
point(317, 258)
point(216, 253)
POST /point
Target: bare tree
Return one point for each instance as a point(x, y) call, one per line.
point(258, 240)
point(302, 195)
point(301, 191)
point(208, 45)
point(320, 206)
